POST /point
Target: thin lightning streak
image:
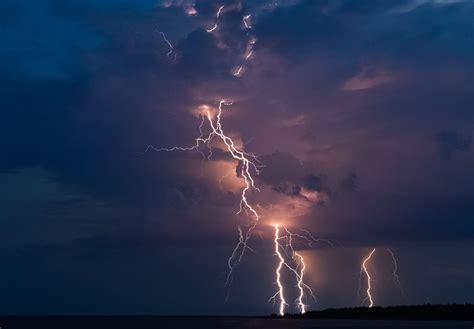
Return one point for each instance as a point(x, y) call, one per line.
point(369, 279)
point(170, 52)
point(249, 55)
point(212, 29)
point(395, 269)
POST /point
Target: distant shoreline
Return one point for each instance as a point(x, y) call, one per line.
point(414, 312)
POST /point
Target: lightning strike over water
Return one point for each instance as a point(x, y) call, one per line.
point(280, 291)
point(218, 14)
point(395, 270)
point(369, 279)
point(247, 166)
point(295, 265)
point(365, 271)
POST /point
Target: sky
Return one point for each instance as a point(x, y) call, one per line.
point(359, 112)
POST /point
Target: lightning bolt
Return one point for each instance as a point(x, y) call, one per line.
point(249, 163)
point(246, 19)
point(165, 39)
point(295, 265)
point(395, 270)
point(363, 269)
point(281, 263)
point(237, 72)
point(249, 51)
point(219, 11)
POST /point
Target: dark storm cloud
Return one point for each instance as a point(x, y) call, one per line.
point(92, 127)
point(287, 175)
point(437, 31)
point(10, 12)
point(376, 82)
point(450, 142)
point(349, 103)
point(349, 182)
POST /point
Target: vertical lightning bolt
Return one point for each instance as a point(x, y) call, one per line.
point(281, 262)
point(395, 270)
point(364, 270)
point(395, 265)
point(218, 14)
point(300, 284)
point(295, 265)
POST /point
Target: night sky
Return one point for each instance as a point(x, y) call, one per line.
point(361, 113)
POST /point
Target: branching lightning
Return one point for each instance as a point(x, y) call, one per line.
point(211, 131)
point(248, 164)
point(295, 264)
point(365, 271)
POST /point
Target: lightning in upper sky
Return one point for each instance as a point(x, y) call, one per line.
point(218, 14)
point(165, 39)
point(248, 163)
point(247, 166)
point(170, 46)
point(290, 262)
point(249, 49)
point(246, 21)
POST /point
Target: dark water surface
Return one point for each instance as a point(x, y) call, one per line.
point(149, 322)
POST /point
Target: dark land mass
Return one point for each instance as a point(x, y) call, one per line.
point(464, 312)
point(426, 316)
